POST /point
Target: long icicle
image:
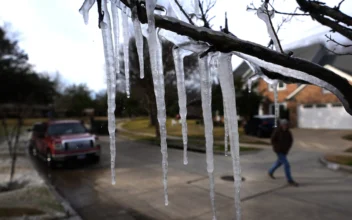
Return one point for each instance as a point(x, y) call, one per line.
point(139, 40)
point(126, 38)
point(111, 84)
point(159, 90)
point(276, 106)
point(206, 84)
point(182, 98)
point(116, 30)
point(228, 93)
point(226, 127)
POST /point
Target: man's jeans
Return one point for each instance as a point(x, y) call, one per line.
point(282, 159)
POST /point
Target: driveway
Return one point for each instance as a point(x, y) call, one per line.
point(322, 140)
point(138, 194)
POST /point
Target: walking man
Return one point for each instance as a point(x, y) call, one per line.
point(282, 141)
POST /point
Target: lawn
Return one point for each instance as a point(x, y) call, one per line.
point(195, 131)
point(196, 145)
point(340, 159)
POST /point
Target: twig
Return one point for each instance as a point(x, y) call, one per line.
point(203, 14)
point(273, 29)
point(339, 5)
point(279, 12)
point(340, 44)
point(339, 54)
point(184, 12)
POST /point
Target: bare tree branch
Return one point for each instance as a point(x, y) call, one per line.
point(339, 54)
point(278, 12)
point(340, 44)
point(184, 12)
point(333, 25)
point(339, 5)
point(273, 29)
point(317, 8)
point(203, 14)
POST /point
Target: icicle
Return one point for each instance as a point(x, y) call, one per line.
point(274, 86)
point(116, 29)
point(208, 123)
point(158, 80)
point(111, 84)
point(139, 40)
point(228, 93)
point(182, 98)
point(266, 15)
point(126, 38)
point(84, 10)
point(226, 127)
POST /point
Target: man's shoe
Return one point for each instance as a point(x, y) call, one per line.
point(271, 176)
point(293, 183)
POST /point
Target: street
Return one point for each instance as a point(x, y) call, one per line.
point(138, 193)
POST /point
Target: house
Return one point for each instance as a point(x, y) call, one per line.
point(307, 106)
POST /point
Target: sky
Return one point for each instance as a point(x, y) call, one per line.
point(57, 40)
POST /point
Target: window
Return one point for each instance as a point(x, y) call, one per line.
point(66, 128)
point(280, 86)
point(308, 106)
point(325, 91)
point(336, 105)
point(321, 105)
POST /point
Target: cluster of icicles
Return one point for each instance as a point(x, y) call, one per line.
point(209, 65)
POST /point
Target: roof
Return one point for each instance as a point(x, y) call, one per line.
point(312, 53)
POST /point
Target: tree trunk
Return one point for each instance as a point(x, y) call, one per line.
point(14, 149)
point(153, 119)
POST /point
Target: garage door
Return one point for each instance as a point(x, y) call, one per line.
point(324, 116)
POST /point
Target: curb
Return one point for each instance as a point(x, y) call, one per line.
point(69, 211)
point(334, 166)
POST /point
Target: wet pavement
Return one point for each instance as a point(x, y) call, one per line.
point(138, 193)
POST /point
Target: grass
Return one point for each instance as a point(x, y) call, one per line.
point(19, 211)
point(195, 131)
point(340, 159)
point(197, 145)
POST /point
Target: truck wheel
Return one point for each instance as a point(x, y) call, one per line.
point(259, 133)
point(49, 160)
point(96, 159)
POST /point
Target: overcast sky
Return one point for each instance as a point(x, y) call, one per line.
point(56, 39)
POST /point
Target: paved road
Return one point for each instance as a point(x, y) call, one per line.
point(324, 194)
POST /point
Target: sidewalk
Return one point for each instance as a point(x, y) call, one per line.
point(29, 196)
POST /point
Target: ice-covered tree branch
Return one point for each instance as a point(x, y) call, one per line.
point(228, 43)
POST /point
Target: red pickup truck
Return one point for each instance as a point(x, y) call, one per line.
point(60, 140)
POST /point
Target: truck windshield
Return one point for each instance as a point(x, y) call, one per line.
point(66, 128)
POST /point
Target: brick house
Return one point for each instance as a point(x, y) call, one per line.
point(307, 106)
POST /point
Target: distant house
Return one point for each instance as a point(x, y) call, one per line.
point(307, 106)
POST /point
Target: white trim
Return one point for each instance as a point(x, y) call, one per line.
point(278, 88)
point(296, 91)
point(339, 72)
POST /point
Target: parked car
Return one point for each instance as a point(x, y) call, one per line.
point(57, 141)
point(260, 125)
